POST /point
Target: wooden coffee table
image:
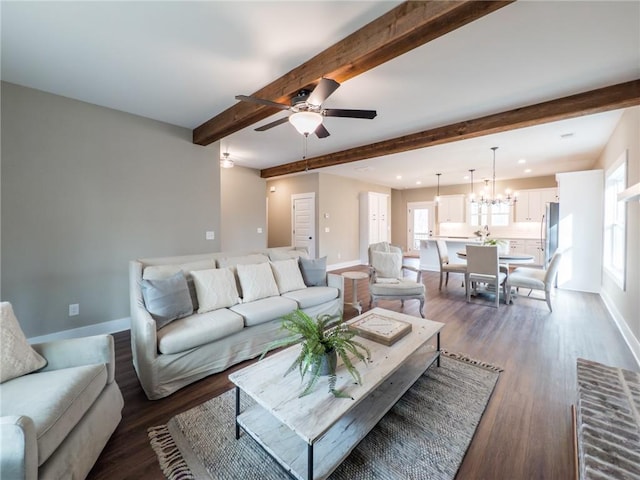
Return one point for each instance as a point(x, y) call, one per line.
point(312, 435)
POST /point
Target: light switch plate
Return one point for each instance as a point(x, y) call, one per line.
point(210, 236)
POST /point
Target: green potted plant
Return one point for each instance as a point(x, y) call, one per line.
point(323, 340)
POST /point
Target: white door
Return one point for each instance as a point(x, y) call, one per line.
point(303, 221)
point(420, 224)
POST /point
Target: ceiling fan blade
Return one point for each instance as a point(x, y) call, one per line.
point(341, 112)
point(267, 126)
point(322, 132)
point(322, 91)
point(260, 101)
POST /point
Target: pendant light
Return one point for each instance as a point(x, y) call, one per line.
point(494, 199)
point(438, 191)
point(472, 196)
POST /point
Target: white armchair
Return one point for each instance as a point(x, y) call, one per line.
point(55, 421)
point(535, 279)
point(386, 279)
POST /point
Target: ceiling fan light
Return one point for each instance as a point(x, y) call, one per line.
point(305, 122)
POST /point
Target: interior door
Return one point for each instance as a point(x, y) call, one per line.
point(303, 215)
point(420, 224)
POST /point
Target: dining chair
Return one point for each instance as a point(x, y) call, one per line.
point(535, 279)
point(445, 266)
point(483, 267)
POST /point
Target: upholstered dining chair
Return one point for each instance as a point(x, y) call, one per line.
point(483, 267)
point(535, 279)
point(386, 276)
point(445, 266)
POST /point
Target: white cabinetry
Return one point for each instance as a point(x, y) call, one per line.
point(451, 209)
point(527, 247)
point(374, 221)
point(531, 204)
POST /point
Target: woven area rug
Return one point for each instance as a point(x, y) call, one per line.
point(424, 436)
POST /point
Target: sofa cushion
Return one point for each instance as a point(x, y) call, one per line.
point(275, 255)
point(314, 271)
point(216, 288)
point(17, 357)
point(167, 299)
point(55, 400)
point(257, 281)
point(264, 310)
point(312, 296)
point(287, 275)
point(198, 329)
point(156, 272)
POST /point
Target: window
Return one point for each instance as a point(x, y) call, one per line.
point(494, 215)
point(615, 213)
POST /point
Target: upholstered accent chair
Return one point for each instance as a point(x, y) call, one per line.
point(535, 279)
point(386, 276)
point(445, 266)
point(57, 414)
point(483, 267)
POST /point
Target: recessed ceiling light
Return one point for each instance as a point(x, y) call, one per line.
point(528, 170)
point(466, 177)
point(398, 177)
point(418, 182)
point(362, 169)
point(567, 135)
point(522, 160)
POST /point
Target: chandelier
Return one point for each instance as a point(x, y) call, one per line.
point(490, 198)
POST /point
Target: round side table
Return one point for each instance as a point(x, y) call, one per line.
point(354, 277)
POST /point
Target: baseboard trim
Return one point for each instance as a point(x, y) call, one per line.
point(627, 334)
point(112, 326)
point(337, 266)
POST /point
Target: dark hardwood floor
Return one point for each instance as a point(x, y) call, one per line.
point(525, 432)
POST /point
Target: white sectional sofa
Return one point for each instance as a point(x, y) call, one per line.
point(236, 302)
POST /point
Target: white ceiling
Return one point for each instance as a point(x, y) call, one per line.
point(183, 63)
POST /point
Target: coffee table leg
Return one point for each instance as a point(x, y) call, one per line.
point(438, 347)
point(237, 412)
point(310, 461)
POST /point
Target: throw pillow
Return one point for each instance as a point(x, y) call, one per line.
point(216, 288)
point(167, 299)
point(256, 281)
point(288, 276)
point(17, 357)
point(314, 271)
point(387, 264)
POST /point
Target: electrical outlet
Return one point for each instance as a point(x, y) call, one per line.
point(74, 309)
point(259, 230)
point(210, 235)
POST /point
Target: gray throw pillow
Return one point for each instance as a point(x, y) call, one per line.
point(167, 299)
point(314, 271)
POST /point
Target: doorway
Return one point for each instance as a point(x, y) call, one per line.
point(420, 224)
point(303, 222)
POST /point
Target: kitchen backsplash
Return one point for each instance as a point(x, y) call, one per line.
point(515, 230)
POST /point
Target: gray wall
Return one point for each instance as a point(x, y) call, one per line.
point(84, 190)
point(244, 207)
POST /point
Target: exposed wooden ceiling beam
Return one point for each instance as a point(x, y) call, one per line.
point(403, 28)
point(622, 95)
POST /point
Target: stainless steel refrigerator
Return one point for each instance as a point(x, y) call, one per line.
point(549, 230)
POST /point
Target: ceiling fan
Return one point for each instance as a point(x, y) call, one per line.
point(307, 109)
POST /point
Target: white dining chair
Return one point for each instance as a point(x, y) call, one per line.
point(483, 267)
point(534, 279)
point(445, 266)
